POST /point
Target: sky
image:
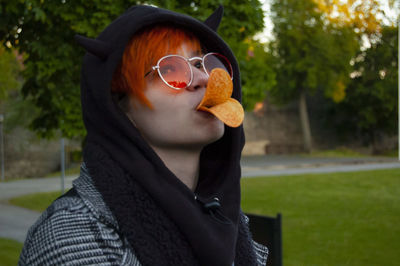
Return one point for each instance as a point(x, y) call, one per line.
point(266, 35)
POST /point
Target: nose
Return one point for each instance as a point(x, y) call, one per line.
point(200, 79)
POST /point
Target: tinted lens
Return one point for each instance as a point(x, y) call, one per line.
point(214, 60)
point(175, 71)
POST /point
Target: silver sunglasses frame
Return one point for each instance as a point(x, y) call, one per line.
point(188, 60)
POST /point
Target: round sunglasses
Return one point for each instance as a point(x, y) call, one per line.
point(177, 73)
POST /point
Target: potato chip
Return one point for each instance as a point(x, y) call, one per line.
point(217, 99)
point(219, 88)
point(230, 112)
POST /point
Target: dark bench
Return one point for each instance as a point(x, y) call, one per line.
point(267, 230)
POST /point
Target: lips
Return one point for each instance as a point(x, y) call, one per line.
point(217, 99)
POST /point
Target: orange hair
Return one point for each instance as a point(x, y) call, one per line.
point(142, 52)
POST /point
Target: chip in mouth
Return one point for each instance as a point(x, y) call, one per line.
point(217, 99)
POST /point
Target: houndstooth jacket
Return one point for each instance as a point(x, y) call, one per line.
point(79, 229)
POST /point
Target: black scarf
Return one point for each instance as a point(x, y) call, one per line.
point(158, 239)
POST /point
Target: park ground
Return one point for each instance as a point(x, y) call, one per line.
point(329, 217)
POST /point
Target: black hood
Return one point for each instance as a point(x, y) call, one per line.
point(109, 128)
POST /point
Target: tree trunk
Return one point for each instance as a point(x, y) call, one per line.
point(305, 123)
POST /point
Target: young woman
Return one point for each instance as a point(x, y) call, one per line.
point(160, 182)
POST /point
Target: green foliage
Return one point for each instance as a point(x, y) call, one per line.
point(237, 15)
point(256, 66)
point(371, 104)
point(9, 252)
point(17, 111)
point(311, 54)
point(45, 30)
point(332, 219)
point(9, 72)
point(245, 20)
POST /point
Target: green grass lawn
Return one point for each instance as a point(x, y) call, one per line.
point(37, 202)
point(332, 219)
point(338, 153)
point(328, 219)
point(69, 171)
point(343, 152)
point(9, 252)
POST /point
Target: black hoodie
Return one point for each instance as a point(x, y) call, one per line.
point(163, 220)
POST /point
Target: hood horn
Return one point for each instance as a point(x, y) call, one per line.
point(215, 18)
point(93, 46)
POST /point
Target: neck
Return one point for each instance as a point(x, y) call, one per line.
point(183, 163)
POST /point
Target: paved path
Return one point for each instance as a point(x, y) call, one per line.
point(15, 221)
point(26, 186)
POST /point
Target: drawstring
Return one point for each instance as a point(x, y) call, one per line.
point(213, 207)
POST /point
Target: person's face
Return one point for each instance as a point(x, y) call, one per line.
point(174, 121)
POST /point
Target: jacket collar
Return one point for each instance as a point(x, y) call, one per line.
point(92, 198)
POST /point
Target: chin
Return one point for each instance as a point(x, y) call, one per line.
point(214, 131)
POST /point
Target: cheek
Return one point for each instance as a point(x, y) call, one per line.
point(161, 122)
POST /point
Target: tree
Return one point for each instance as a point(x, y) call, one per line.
point(311, 55)
point(44, 31)
point(371, 104)
point(257, 65)
point(362, 16)
point(9, 72)
point(16, 112)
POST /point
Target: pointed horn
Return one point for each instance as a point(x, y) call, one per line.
point(93, 46)
point(215, 18)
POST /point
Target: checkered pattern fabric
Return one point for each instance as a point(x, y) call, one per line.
point(261, 253)
point(79, 229)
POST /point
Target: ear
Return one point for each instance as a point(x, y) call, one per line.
point(93, 46)
point(215, 18)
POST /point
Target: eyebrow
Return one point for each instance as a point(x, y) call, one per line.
point(193, 55)
point(198, 53)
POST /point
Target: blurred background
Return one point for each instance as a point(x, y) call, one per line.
point(320, 80)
